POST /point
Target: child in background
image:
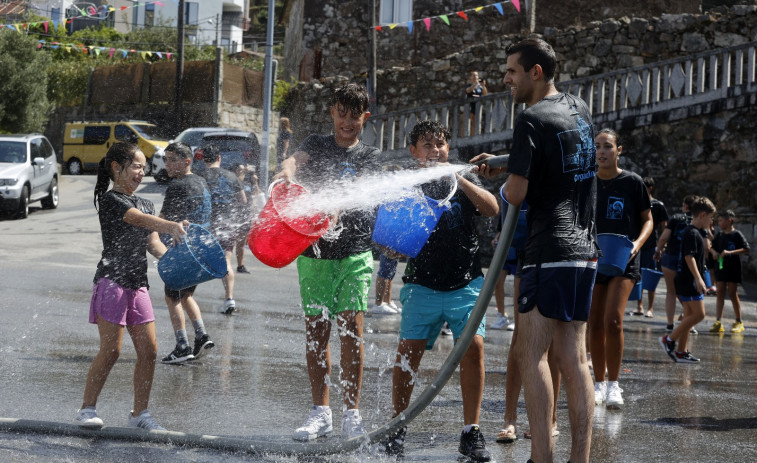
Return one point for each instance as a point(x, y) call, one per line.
point(727, 246)
point(246, 213)
point(119, 297)
point(689, 282)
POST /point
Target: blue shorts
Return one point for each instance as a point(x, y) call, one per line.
point(561, 290)
point(387, 267)
point(425, 310)
point(669, 261)
point(511, 267)
point(698, 297)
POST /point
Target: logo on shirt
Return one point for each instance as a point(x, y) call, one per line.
point(578, 151)
point(348, 170)
point(615, 208)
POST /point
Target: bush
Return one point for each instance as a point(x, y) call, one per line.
point(23, 82)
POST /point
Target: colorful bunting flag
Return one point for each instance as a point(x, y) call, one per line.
point(462, 15)
point(445, 17)
point(427, 22)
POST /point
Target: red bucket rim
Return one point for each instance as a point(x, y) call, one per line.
point(319, 227)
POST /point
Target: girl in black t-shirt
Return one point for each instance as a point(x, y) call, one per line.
point(689, 282)
point(623, 208)
point(120, 298)
point(727, 246)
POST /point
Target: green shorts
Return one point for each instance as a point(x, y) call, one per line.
point(336, 285)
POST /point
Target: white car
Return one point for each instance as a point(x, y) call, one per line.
point(191, 137)
point(28, 172)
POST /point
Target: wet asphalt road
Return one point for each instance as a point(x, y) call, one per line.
point(254, 383)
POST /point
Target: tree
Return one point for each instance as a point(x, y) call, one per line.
point(24, 105)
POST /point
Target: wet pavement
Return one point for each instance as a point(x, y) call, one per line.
point(253, 384)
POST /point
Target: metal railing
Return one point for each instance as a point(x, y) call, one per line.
point(638, 91)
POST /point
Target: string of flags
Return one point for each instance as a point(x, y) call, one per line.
point(446, 17)
point(93, 50)
point(89, 12)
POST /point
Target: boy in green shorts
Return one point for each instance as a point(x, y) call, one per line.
point(442, 284)
point(335, 274)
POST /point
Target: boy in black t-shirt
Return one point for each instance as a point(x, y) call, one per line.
point(689, 282)
point(187, 198)
point(727, 246)
point(442, 284)
point(335, 274)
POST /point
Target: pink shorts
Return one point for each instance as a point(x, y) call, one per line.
point(119, 305)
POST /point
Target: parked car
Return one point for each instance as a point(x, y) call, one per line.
point(191, 137)
point(237, 147)
point(86, 143)
point(28, 173)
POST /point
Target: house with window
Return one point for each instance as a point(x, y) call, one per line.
point(208, 22)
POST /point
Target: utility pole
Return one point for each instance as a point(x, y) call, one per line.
point(179, 95)
point(267, 90)
point(372, 99)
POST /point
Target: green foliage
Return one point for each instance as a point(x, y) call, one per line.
point(281, 102)
point(23, 81)
point(68, 82)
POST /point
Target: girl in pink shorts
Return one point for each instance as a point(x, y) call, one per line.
point(119, 298)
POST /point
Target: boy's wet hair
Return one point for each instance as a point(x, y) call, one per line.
point(353, 98)
point(427, 127)
point(123, 154)
point(211, 153)
point(535, 51)
point(727, 214)
point(180, 149)
point(702, 204)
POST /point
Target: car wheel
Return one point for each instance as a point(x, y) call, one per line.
point(162, 177)
point(74, 166)
point(51, 202)
point(23, 204)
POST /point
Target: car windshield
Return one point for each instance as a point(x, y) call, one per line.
point(13, 152)
point(191, 137)
point(148, 131)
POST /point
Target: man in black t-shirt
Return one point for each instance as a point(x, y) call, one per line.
point(552, 166)
point(226, 193)
point(187, 198)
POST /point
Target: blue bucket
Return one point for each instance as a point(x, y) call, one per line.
point(635, 292)
point(616, 250)
point(405, 225)
point(649, 279)
point(521, 228)
point(198, 259)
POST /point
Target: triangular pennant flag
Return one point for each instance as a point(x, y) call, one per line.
point(462, 15)
point(68, 49)
point(445, 19)
point(111, 9)
point(124, 52)
point(55, 24)
point(498, 6)
point(479, 8)
point(378, 28)
point(124, 7)
point(168, 55)
point(159, 3)
point(144, 55)
point(410, 27)
point(110, 52)
point(39, 45)
point(427, 22)
point(160, 55)
point(12, 28)
point(97, 51)
point(516, 3)
point(45, 23)
point(392, 26)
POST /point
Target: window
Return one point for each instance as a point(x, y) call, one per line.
point(96, 135)
point(396, 11)
point(149, 15)
point(190, 13)
point(124, 133)
point(35, 149)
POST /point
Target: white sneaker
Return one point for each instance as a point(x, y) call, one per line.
point(87, 418)
point(317, 424)
point(383, 309)
point(614, 396)
point(511, 326)
point(395, 307)
point(352, 424)
point(500, 322)
point(145, 421)
point(600, 392)
point(229, 306)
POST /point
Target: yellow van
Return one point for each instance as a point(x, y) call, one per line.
point(85, 143)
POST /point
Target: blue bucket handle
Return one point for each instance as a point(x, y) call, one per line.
point(444, 203)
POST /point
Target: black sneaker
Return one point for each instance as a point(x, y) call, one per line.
point(242, 269)
point(685, 357)
point(202, 344)
point(394, 444)
point(670, 346)
point(179, 355)
point(472, 445)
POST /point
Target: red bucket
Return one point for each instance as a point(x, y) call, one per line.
point(277, 240)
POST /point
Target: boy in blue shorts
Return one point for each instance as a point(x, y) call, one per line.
point(442, 284)
point(335, 277)
point(689, 282)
